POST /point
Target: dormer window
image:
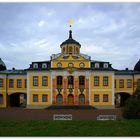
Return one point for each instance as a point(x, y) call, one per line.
point(97, 65)
point(35, 65)
point(105, 65)
point(59, 65)
point(44, 65)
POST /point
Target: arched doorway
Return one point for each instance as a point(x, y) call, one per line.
point(70, 99)
point(59, 99)
point(120, 99)
point(81, 99)
point(18, 100)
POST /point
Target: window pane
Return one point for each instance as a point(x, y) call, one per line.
point(44, 81)
point(96, 98)
point(96, 80)
point(1, 82)
point(105, 98)
point(121, 83)
point(11, 83)
point(44, 98)
point(35, 97)
point(35, 80)
point(105, 81)
point(19, 83)
point(129, 83)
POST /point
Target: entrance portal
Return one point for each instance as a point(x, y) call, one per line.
point(70, 99)
point(120, 99)
point(59, 99)
point(81, 99)
point(18, 100)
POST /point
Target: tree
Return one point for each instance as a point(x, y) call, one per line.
point(132, 106)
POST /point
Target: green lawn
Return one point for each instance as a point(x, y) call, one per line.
point(69, 128)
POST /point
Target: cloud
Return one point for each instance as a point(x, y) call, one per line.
point(34, 31)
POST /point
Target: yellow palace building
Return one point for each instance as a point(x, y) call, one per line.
point(68, 78)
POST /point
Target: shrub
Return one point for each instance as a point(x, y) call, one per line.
point(132, 106)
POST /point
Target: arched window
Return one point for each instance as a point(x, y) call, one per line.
point(35, 65)
point(44, 65)
point(70, 50)
point(59, 99)
point(81, 99)
point(77, 50)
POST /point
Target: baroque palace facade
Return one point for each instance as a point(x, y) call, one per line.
point(68, 78)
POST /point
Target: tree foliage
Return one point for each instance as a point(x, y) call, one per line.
point(132, 106)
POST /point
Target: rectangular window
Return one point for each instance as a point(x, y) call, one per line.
point(105, 81)
point(1, 83)
point(115, 82)
point(121, 84)
point(35, 97)
point(44, 98)
point(11, 83)
point(96, 98)
point(1, 99)
point(19, 83)
point(129, 83)
point(44, 80)
point(96, 80)
point(35, 80)
point(105, 98)
point(25, 83)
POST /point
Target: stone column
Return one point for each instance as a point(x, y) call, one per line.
point(65, 81)
point(76, 87)
point(54, 90)
point(87, 92)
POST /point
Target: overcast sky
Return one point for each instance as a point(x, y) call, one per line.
point(106, 31)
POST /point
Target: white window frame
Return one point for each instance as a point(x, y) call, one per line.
point(97, 65)
point(105, 65)
point(35, 65)
point(44, 65)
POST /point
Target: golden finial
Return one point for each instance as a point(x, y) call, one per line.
point(70, 23)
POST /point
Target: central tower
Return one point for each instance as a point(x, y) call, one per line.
point(70, 46)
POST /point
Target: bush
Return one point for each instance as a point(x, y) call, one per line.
point(132, 106)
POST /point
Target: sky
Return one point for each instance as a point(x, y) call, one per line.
point(34, 31)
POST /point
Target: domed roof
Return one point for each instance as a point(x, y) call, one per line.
point(70, 40)
point(2, 65)
point(137, 66)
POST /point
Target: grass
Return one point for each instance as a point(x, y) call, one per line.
point(69, 128)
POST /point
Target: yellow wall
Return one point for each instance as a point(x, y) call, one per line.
point(65, 62)
point(40, 82)
point(101, 81)
point(40, 97)
point(101, 98)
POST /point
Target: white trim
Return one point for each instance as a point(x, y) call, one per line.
point(89, 90)
point(116, 91)
point(51, 96)
point(113, 97)
point(39, 89)
point(101, 90)
point(17, 76)
point(28, 87)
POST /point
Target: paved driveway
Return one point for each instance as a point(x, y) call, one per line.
point(44, 114)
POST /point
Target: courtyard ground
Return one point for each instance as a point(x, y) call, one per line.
point(47, 114)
